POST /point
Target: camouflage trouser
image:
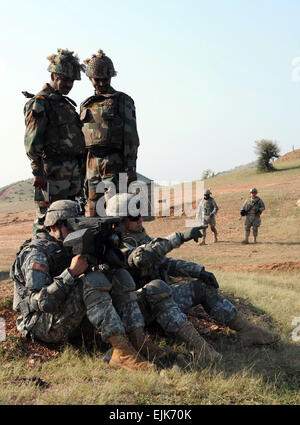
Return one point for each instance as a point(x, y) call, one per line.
point(89, 297)
point(254, 221)
point(169, 304)
point(106, 169)
point(65, 182)
point(211, 221)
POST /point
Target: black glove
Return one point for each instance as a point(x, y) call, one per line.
point(209, 278)
point(193, 233)
point(243, 213)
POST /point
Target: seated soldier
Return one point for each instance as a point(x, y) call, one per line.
point(147, 263)
point(54, 291)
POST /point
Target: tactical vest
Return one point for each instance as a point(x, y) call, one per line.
point(63, 137)
point(207, 206)
point(58, 260)
point(102, 122)
point(252, 206)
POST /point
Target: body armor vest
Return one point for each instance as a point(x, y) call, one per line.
point(102, 122)
point(208, 207)
point(63, 137)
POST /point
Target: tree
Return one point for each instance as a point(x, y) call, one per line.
point(266, 151)
point(207, 174)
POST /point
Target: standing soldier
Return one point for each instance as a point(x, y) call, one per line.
point(206, 213)
point(252, 209)
point(109, 127)
point(54, 141)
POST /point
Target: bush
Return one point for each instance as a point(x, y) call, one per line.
point(266, 151)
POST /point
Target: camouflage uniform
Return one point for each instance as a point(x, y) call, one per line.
point(53, 303)
point(54, 144)
point(207, 211)
point(147, 261)
point(109, 127)
point(253, 208)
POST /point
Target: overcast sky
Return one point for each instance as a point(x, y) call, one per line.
point(208, 77)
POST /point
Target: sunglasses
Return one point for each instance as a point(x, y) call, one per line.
point(130, 218)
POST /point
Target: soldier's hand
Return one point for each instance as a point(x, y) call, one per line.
point(78, 265)
point(40, 182)
point(131, 176)
point(193, 233)
point(209, 278)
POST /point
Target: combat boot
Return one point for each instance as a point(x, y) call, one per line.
point(203, 241)
point(251, 334)
point(246, 240)
point(254, 239)
point(142, 343)
point(202, 350)
point(125, 356)
point(215, 239)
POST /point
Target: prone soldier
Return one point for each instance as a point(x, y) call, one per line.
point(109, 127)
point(54, 141)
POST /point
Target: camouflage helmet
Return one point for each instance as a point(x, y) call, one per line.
point(253, 190)
point(61, 210)
point(64, 63)
point(100, 66)
point(207, 192)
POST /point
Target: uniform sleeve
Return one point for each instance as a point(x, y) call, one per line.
point(36, 121)
point(131, 138)
point(153, 252)
point(182, 268)
point(46, 293)
point(215, 207)
point(261, 206)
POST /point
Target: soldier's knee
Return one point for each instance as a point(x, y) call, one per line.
point(199, 291)
point(157, 290)
point(96, 288)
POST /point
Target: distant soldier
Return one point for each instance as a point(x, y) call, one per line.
point(109, 127)
point(252, 209)
point(206, 213)
point(54, 141)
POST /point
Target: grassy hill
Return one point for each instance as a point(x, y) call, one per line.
point(262, 280)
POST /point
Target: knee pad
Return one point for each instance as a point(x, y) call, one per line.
point(198, 291)
point(159, 296)
point(96, 288)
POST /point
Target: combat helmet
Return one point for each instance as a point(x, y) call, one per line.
point(64, 63)
point(207, 192)
point(100, 66)
point(253, 190)
point(61, 210)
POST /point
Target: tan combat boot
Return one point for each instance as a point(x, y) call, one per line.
point(250, 333)
point(246, 240)
point(254, 239)
point(203, 241)
point(125, 356)
point(215, 239)
point(202, 350)
point(142, 343)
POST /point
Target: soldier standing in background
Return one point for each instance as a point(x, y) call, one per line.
point(54, 141)
point(207, 211)
point(252, 209)
point(109, 127)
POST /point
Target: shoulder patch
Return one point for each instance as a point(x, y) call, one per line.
point(41, 267)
